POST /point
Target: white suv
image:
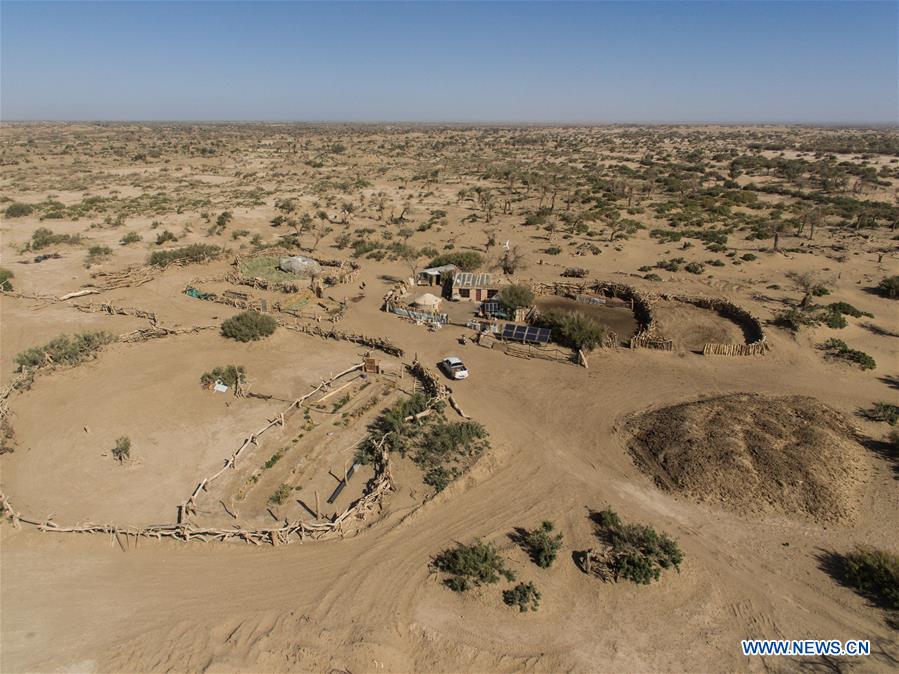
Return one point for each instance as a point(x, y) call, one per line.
point(454, 368)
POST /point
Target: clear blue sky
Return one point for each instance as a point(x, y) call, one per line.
point(467, 62)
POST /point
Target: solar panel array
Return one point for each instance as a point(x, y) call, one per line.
point(526, 333)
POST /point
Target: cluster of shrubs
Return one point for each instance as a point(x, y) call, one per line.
point(230, 375)
point(889, 287)
point(839, 349)
point(249, 326)
point(884, 412)
point(442, 449)
point(638, 552)
point(479, 563)
point(43, 238)
point(196, 252)
point(65, 350)
point(832, 315)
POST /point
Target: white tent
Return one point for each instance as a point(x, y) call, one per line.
point(428, 300)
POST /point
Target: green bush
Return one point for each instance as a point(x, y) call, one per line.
point(552, 250)
point(542, 545)
point(164, 236)
point(249, 326)
point(122, 450)
point(196, 252)
point(885, 412)
point(516, 296)
point(229, 375)
point(65, 350)
point(889, 287)
point(524, 595)
point(472, 565)
point(96, 254)
point(695, 267)
point(129, 238)
point(5, 276)
point(282, 493)
point(18, 210)
point(837, 348)
point(639, 553)
point(464, 260)
point(574, 329)
point(875, 574)
point(793, 319)
point(43, 237)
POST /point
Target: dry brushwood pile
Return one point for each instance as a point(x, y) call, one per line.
point(752, 453)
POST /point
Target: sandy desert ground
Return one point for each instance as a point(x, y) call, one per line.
point(390, 199)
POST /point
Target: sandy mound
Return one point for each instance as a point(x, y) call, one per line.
point(753, 453)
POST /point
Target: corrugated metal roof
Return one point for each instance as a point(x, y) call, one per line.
point(465, 279)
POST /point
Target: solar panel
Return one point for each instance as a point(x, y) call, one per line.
point(526, 333)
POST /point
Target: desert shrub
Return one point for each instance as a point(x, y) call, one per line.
point(443, 445)
point(96, 254)
point(847, 309)
point(65, 350)
point(524, 595)
point(5, 276)
point(881, 411)
point(695, 267)
point(229, 375)
point(793, 319)
point(392, 424)
point(574, 329)
point(552, 250)
point(674, 264)
point(282, 493)
point(196, 252)
point(652, 276)
point(837, 348)
point(164, 236)
point(749, 257)
point(639, 553)
point(465, 260)
point(889, 287)
point(542, 545)
point(43, 237)
point(249, 326)
point(129, 238)
point(471, 565)
point(18, 210)
point(875, 574)
point(122, 450)
point(516, 296)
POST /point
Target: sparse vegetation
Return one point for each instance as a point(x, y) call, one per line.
point(194, 253)
point(65, 350)
point(229, 375)
point(44, 238)
point(884, 412)
point(122, 450)
point(280, 496)
point(129, 238)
